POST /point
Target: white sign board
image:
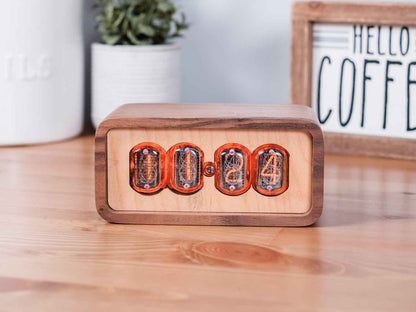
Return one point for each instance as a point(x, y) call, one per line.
point(364, 79)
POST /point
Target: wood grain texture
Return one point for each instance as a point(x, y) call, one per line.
point(297, 199)
point(304, 14)
point(227, 118)
point(57, 254)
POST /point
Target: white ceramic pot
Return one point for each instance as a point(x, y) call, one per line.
point(133, 74)
point(41, 70)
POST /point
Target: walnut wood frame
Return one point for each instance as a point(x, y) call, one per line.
point(279, 117)
point(304, 14)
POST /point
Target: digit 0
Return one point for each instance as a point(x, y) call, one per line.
point(270, 168)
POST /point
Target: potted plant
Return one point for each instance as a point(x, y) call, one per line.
point(136, 61)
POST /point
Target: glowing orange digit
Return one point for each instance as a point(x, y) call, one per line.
point(188, 167)
point(148, 171)
point(270, 167)
point(185, 168)
point(149, 166)
point(234, 170)
point(273, 173)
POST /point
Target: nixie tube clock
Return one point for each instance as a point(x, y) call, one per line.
point(210, 164)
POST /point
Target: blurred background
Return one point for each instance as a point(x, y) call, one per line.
point(233, 51)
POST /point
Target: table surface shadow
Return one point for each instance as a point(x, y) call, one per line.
point(57, 253)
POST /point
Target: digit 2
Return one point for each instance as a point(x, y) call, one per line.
point(232, 176)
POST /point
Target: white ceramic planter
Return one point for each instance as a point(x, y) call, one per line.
point(133, 74)
point(41, 71)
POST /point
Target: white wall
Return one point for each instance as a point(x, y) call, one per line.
point(236, 51)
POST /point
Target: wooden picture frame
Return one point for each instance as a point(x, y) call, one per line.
point(304, 15)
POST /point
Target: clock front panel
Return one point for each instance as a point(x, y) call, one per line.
point(220, 170)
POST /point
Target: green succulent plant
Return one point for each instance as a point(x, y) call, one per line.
point(138, 22)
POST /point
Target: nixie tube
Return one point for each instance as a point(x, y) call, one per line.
point(270, 167)
point(232, 175)
point(185, 168)
point(148, 170)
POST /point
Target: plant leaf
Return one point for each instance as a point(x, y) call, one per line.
point(133, 38)
point(119, 19)
point(109, 10)
point(111, 39)
point(165, 7)
point(146, 30)
point(138, 22)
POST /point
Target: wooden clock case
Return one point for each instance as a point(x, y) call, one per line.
point(209, 126)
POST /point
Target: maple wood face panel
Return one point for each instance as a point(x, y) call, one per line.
point(290, 143)
point(297, 199)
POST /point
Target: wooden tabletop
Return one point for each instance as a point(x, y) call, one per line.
point(56, 254)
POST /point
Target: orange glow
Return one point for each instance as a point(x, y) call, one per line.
point(272, 167)
point(149, 164)
point(149, 167)
point(234, 170)
point(228, 178)
point(271, 163)
point(188, 167)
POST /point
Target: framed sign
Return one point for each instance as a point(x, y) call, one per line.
point(355, 65)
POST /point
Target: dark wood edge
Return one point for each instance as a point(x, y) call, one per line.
point(306, 13)
point(248, 219)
